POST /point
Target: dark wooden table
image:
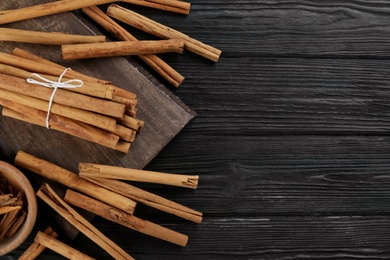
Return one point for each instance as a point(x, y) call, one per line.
point(291, 140)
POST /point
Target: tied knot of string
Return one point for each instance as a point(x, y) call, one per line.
point(72, 83)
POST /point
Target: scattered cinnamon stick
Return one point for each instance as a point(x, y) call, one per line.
point(157, 64)
point(166, 5)
point(148, 198)
point(125, 219)
point(9, 16)
point(74, 218)
point(60, 247)
point(120, 173)
point(35, 249)
point(50, 38)
point(72, 180)
point(122, 48)
point(145, 24)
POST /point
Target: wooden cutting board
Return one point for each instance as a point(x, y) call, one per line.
point(164, 114)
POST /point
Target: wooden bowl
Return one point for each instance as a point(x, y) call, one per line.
point(20, 183)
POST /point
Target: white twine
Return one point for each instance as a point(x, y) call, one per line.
point(55, 85)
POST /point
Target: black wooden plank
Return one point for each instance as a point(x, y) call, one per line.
point(280, 175)
point(287, 28)
point(250, 96)
point(345, 237)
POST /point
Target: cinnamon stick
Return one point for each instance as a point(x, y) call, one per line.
point(17, 52)
point(123, 146)
point(145, 24)
point(35, 249)
point(29, 56)
point(113, 172)
point(59, 123)
point(125, 219)
point(72, 180)
point(157, 64)
point(62, 96)
point(17, 224)
point(41, 68)
point(166, 5)
point(148, 198)
point(122, 48)
point(60, 247)
point(8, 209)
point(88, 88)
point(50, 38)
point(47, 194)
point(94, 119)
point(8, 219)
point(9, 16)
point(132, 123)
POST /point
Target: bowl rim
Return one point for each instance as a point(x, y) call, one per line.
point(32, 210)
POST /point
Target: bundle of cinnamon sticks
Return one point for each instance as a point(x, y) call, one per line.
point(110, 198)
point(81, 47)
point(97, 111)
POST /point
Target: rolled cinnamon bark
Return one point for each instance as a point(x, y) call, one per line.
point(62, 96)
point(94, 119)
point(41, 68)
point(125, 219)
point(166, 5)
point(123, 48)
point(132, 123)
point(49, 38)
point(35, 249)
point(9, 16)
point(157, 64)
point(59, 123)
point(88, 88)
point(120, 173)
point(123, 146)
point(72, 180)
point(37, 59)
point(145, 24)
point(80, 130)
point(47, 194)
point(148, 198)
point(60, 247)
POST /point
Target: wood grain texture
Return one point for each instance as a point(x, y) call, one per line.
point(291, 139)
